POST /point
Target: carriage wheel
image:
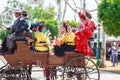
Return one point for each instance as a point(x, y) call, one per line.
point(15, 73)
point(57, 72)
point(54, 73)
point(81, 68)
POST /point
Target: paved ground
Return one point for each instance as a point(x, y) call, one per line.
point(103, 75)
point(109, 67)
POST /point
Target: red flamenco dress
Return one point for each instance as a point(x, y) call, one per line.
point(81, 42)
point(89, 29)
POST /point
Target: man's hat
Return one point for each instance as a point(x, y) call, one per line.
point(17, 10)
point(24, 13)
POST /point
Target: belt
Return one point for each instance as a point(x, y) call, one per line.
point(70, 43)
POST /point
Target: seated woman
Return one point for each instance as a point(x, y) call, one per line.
point(41, 43)
point(68, 39)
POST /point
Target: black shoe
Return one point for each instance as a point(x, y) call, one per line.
point(1, 51)
point(8, 52)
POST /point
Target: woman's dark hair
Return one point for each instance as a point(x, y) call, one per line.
point(82, 16)
point(24, 13)
point(32, 26)
point(42, 24)
point(40, 28)
point(65, 26)
point(87, 14)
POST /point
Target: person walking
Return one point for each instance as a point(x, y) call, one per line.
point(114, 56)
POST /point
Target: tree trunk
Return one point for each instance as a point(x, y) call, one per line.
point(59, 13)
point(66, 1)
point(103, 51)
point(84, 5)
point(64, 11)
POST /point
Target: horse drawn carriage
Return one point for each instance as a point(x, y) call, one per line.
point(72, 66)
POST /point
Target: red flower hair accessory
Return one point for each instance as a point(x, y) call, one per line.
point(86, 13)
point(82, 16)
point(66, 23)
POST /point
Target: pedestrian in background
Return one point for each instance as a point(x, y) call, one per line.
point(114, 56)
point(108, 52)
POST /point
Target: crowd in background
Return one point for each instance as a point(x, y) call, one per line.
point(113, 53)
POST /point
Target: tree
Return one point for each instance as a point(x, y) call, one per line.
point(38, 12)
point(108, 14)
point(35, 12)
point(46, 14)
point(6, 18)
point(41, 13)
point(52, 25)
point(7, 12)
point(64, 12)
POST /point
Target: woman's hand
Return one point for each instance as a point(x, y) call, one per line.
point(44, 44)
point(9, 28)
point(58, 42)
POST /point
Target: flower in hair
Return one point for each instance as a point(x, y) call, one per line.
point(86, 13)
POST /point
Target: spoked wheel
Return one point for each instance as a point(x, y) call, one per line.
point(57, 73)
point(54, 73)
point(81, 68)
point(15, 73)
point(2, 69)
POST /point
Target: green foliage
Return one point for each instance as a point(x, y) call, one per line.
point(13, 3)
point(5, 33)
point(1, 28)
point(41, 13)
point(74, 24)
point(30, 12)
point(36, 12)
point(7, 12)
point(52, 25)
point(108, 14)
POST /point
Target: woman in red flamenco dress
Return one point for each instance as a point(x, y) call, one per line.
point(82, 34)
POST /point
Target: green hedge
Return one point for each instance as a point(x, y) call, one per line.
point(3, 34)
point(52, 25)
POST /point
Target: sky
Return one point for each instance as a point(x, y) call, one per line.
point(2, 5)
point(70, 15)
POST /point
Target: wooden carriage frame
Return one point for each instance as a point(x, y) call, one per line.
point(71, 61)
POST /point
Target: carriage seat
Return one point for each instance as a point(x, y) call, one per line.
point(20, 38)
point(21, 44)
